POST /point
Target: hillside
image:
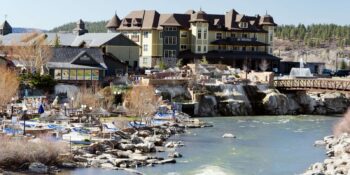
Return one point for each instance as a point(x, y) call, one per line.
point(93, 27)
point(327, 43)
point(26, 30)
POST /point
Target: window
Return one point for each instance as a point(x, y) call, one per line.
point(169, 53)
point(271, 37)
point(244, 48)
point(80, 74)
point(135, 37)
point(161, 35)
point(243, 25)
point(183, 47)
point(199, 34)
point(145, 60)
point(95, 74)
point(73, 74)
point(87, 74)
point(58, 74)
point(244, 35)
point(145, 47)
point(218, 36)
point(170, 29)
point(65, 74)
point(205, 33)
point(204, 48)
point(199, 48)
point(145, 34)
point(170, 40)
point(233, 35)
point(183, 34)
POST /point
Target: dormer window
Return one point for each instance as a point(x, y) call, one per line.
point(127, 22)
point(137, 22)
point(243, 25)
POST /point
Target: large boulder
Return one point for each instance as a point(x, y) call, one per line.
point(233, 108)
point(208, 106)
point(335, 102)
point(276, 103)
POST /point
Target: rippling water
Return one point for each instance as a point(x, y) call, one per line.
point(266, 145)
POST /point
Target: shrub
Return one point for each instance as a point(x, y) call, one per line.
point(15, 152)
point(37, 81)
point(343, 126)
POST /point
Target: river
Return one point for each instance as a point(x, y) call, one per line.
point(266, 145)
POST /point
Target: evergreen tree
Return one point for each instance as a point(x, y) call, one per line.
point(343, 65)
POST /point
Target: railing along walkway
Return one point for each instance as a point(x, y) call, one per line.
point(327, 84)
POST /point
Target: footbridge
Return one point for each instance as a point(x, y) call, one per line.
point(313, 84)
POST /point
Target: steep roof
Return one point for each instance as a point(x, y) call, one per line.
point(199, 16)
point(65, 39)
point(65, 57)
point(229, 21)
point(114, 22)
point(93, 39)
point(142, 19)
point(267, 20)
point(171, 21)
point(5, 25)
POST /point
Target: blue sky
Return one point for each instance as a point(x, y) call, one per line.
point(46, 14)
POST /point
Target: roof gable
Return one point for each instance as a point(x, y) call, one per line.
point(83, 58)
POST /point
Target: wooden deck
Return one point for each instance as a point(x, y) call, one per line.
point(313, 84)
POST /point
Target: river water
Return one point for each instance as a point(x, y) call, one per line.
point(267, 145)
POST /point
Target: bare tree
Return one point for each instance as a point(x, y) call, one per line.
point(86, 96)
point(8, 85)
point(264, 65)
point(33, 51)
point(142, 101)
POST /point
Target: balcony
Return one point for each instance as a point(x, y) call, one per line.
point(239, 42)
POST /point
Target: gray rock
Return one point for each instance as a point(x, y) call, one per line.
point(320, 143)
point(68, 165)
point(136, 140)
point(174, 155)
point(138, 157)
point(228, 135)
point(108, 166)
point(127, 146)
point(38, 168)
point(167, 161)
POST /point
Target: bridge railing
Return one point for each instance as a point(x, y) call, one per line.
point(327, 84)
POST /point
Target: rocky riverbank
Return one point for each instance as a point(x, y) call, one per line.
point(129, 149)
point(338, 153)
point(245, 100)
point(134, 148)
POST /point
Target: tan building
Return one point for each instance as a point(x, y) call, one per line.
point(232, 38)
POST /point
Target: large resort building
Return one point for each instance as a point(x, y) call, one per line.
point(233, 39)
point(144, 38)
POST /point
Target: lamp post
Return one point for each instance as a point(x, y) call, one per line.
point(83, 108)
point(72, 99)
point(12, 106)
point(65, 108)
point(24, 108)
